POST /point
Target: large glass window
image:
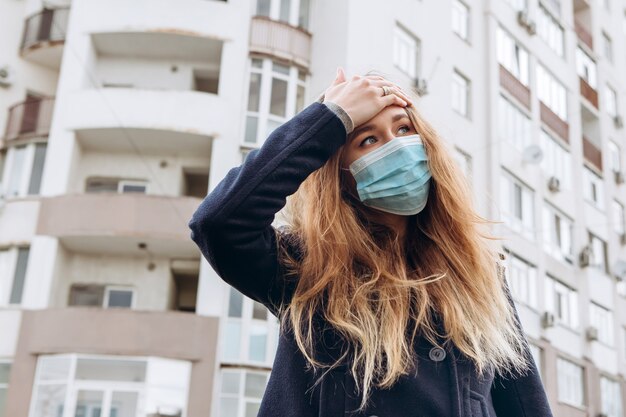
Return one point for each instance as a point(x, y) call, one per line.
point(551, 92)
point(608, 46)
point(514, 125)
point(294, 12)
point(516, 204)
point(599, 256)
point(610, 100)
point(460, 19)
point(460, 93)
point(512, 56)
point(557, 233)
point(250, 333)
point(98, 385)
point(615, 156)
point(618, 217)
point(593, 188)
point(405, 51)
point(562, 301)
point(586, 68)
point(610, 395)
point(13, 265)
point(570, 382)
point(24, 169)
point(522, 278)
point(276, 93)
point(550, 31)
point(5, 371)
point(241, 392)
point(602, 319)
point(557, 161)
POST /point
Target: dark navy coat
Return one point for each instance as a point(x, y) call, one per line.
point(233, 229)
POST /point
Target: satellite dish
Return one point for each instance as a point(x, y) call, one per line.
point(619, 270)
point(532, 154)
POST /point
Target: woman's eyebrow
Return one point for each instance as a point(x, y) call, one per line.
point(367, 128)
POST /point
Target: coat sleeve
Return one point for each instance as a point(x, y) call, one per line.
point(519, 396)
point(233, 224)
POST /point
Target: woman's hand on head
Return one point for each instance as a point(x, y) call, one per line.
point(362, 96)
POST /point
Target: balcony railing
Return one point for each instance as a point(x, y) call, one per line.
point(591, 153)
point(514, 86)
point(49, 25)
point(583, 34)
point(31, 118)
point(588, 92)
point(281, 40)
point(554, 122)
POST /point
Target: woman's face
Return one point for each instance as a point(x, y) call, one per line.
point(389, 123)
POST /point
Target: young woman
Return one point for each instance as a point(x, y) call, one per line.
point(390, 299)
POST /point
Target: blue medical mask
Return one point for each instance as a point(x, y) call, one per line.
point(394, 177)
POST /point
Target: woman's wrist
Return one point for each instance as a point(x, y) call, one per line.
point(341, 113)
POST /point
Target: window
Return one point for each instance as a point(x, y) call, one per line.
point(250, 333)
point(512, 56)
point(570, 382)
point(537, 356)
point(94, 295)
point(5, 370)
point(460, 93)
point(24, 169)
point(556, 161)
point(517, 205)
point(610, 100)
point(593, 188)
point(13, 265)
point(460, 19)
point(518, 4)
point(522, 278)
point(611, 397)
point(608, 47)
point(241, 392)
point(551, 92)
point(602, 319)
point(115, 185)
point(464, 161)
point(618, 217)
point(513, 125)
point(550, 31)
point(615, 156)
point(557, 233)
point(562, 301)
point(599, 259)
point(586, 67)
point(293, 12)
point(276, 93)
point(128, 386)
point(405, 50)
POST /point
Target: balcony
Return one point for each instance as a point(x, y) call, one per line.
point(592, 153)
point(120, 119)
point(583, 34)
point(554, 122)
point(29, 119)
point(44, 36)
point(588, 92)
point(280, 40)
point(81, 224)
point(511, 84)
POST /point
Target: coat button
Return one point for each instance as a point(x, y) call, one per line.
point(437, 354)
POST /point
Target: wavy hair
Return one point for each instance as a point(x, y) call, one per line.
point(378, 291)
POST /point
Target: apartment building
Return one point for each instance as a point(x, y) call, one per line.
point(117, 117)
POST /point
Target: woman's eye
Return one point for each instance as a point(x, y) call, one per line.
point(372, 137)
point(405, 127)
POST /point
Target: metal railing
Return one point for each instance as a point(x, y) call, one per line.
point(49, 25)
point(29, 118)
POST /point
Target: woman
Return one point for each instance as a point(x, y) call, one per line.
point(391, 302)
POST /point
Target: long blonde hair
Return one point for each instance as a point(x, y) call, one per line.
point(371, 286)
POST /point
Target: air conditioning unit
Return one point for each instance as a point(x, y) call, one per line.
point(618, 121)
point(592, 333)
point(421, 86)
point(619, 177)
point(622, 239)
point(548, 319)
point(554, 184)
point(584, 258)
point(602, 415)
point(6, 76)
point(524, 20)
